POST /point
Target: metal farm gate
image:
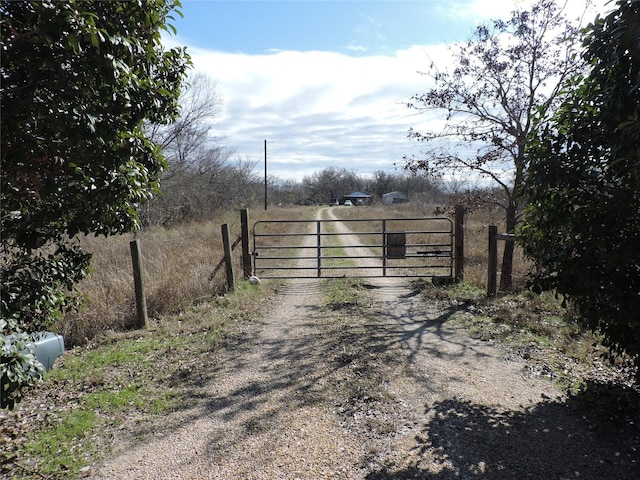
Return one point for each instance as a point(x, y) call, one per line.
point(406, 247)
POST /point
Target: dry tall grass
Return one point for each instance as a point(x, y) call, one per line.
point(476, 250)
point(178, 265)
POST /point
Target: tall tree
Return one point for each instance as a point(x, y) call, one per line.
point(330, 183)
point(80, 79)
point(183, 139)
point(583, 180)
point(195, 157)
point(503, 75)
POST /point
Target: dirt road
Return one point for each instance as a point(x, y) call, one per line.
point(387, 389)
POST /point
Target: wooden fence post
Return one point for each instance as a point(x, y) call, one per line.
point(492, 268)
point(246, 257)
point(228, 260)
point(141, 300)
point(459, 244)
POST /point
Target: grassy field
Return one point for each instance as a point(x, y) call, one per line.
point(116, 379)
point(178, 271)
point(178, 265)
point(121, 382)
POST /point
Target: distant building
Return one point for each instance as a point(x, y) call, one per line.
point(358, 198)
point(394, 197)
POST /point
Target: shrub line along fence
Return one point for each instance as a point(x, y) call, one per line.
point(227, 260)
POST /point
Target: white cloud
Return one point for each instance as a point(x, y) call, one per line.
point(319, 109)
point(325, 109)
point(480, 10)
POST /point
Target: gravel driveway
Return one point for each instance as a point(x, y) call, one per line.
point(385, 390)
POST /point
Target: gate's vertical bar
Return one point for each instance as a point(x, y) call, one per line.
point(385, 247)
point(246, 257)
point(254, 257)
point(459, 244)
point(227, 257)
point(319, 249)
point(492, 273)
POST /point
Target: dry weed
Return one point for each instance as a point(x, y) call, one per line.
point(178, 267)
point(179, 263)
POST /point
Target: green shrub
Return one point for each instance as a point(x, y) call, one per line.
point(19, 368)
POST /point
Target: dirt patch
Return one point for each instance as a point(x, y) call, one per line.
point(383, 389)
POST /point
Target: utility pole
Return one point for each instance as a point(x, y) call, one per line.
point(265, 175)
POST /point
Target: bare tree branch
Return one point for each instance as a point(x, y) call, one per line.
point(504, 74)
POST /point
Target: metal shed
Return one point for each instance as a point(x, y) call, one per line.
point(394, 197)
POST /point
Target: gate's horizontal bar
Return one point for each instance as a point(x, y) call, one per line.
point(336, 257)
point(355, 267)
point(262, 235)
point(388, 220)
point(357, 257)
point(440, 247)
point(354, 232)
point(328, 277)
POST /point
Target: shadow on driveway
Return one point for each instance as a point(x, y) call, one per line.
point(594, 435)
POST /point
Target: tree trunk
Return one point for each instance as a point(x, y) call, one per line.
point(506, 280)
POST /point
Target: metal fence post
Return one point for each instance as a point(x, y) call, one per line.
point(246, 257)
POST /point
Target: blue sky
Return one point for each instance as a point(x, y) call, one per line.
point(324, 82)
point(350, 27)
